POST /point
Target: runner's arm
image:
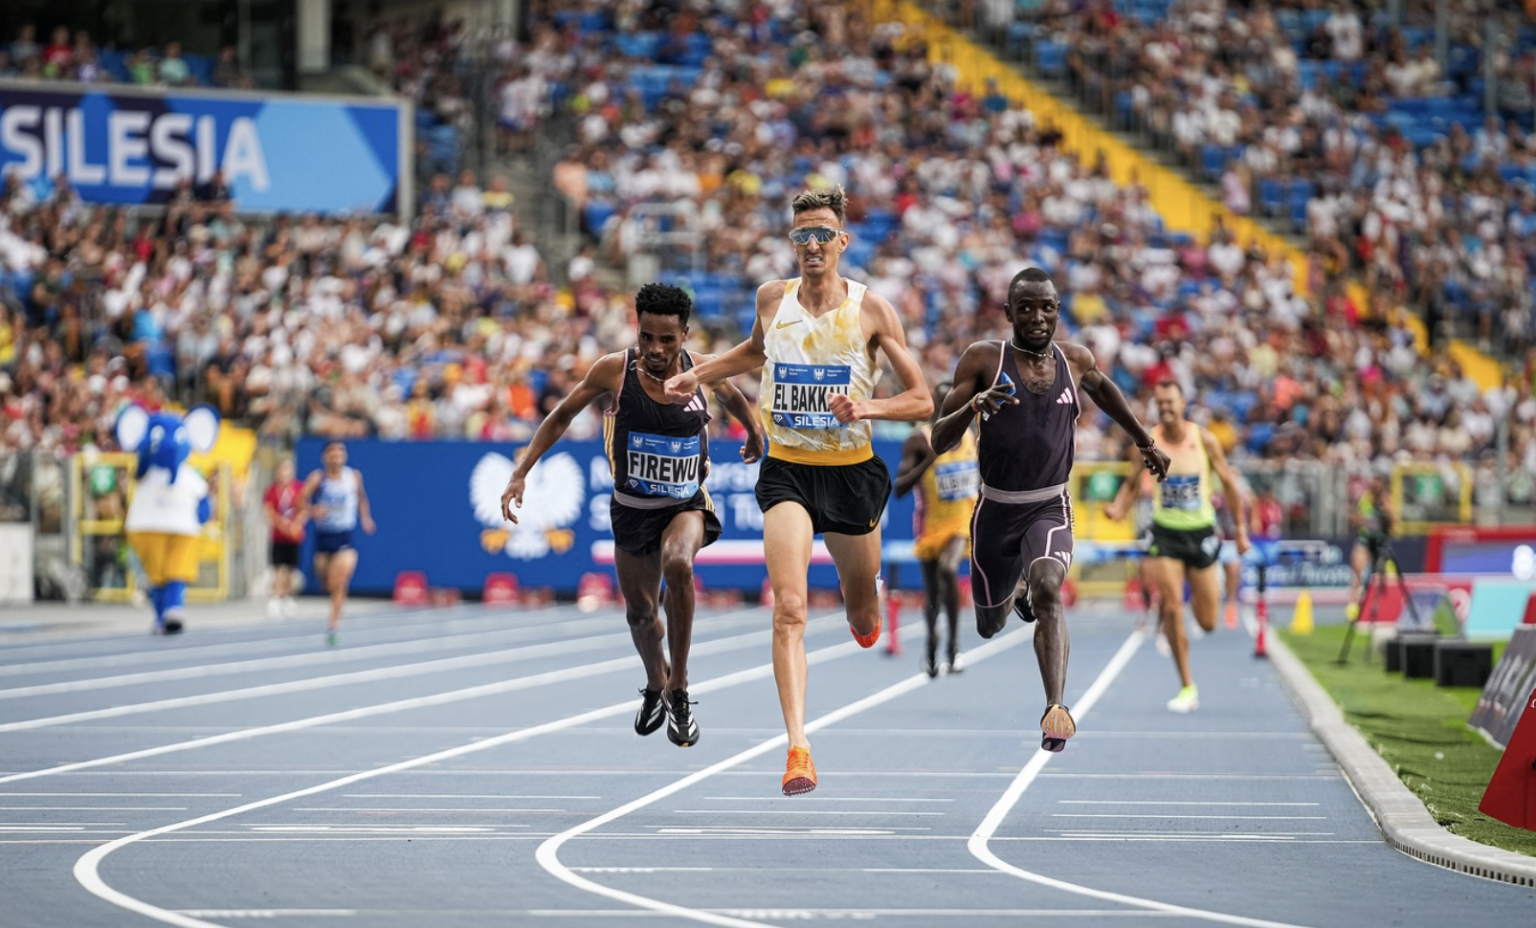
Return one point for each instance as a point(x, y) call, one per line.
point(604, 377)
point(1234, 487)
point(1129, 491)
point(915, 402)
point(364, 510)
point(736, 404)
point(916, 457)
point(1108, 397)
point(744, 358)
point(972, 393)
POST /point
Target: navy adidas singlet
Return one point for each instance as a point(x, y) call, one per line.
point(1029, 446)
point(659, 452)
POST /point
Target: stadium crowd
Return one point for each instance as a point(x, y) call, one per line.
point(1348, 123)
point(452, 326)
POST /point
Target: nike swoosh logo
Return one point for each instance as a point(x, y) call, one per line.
point(785, 325)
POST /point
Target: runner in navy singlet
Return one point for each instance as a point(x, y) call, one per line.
point(1025, 391)
point(661, 513)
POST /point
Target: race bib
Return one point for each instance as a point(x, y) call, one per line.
point(658, 465)
point(1181, 491)
point(957, 480)
point(800, 394)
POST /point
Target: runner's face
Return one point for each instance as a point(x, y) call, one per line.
point(818, 259)
point(1034, 309)
point(335, 457)
point(284, 471)
point(661, 341)
point(1170, 405)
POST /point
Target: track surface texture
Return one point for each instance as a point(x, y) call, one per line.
point(471, 766)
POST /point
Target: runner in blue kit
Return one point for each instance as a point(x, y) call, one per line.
point(1025, 391)
point(334, 499)
point(661, 513)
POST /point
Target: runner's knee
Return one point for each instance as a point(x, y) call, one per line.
point(639, 615)
point(677, 569)
point(788, 609)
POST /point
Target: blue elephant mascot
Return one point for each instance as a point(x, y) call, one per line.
point(170, 504)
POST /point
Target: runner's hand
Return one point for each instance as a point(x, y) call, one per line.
point(752, 449)
point(512, 494)
point(846, 410)
point(995, 398)
point(680, 389)
point(1156, 460)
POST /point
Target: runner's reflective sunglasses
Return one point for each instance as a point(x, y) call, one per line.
point(804, 234)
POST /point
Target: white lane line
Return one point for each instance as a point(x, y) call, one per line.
point(247, 646)
point(393, 672)
point(1223, 818)
point(838, 799)
point(795, 915)
point(454, 796)
point(1154, 775)
point(548, 854)
point(796, 812)
point(1173, 802)
point(417, 702)
point(87, 868)
point(309, 658)
point(269, 913)
point(977, 844)
point(93, 808)
point(157, 795)
point(442, 811)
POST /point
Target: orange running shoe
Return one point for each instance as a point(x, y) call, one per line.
point(799, 772)
point(1231, 615)
point(868, 641)
point(1056, 726)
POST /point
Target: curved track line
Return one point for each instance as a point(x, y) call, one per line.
point(310, 657)
point(548, 854)
point(416, 702)
point(87, 868)
point(999, 811)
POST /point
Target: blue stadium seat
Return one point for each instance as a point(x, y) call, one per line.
point(597, 213)
point(638, 44)
point(1259, 435)
point(1051, 58)
point(200, 67)
point(1213, 161)
point(1271, 196)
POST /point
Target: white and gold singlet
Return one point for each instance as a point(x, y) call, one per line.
point(810, 358)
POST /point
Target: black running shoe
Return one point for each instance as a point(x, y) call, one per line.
point(681, 728)
point(930, 664)
point(652, 713)
point(1021, 606)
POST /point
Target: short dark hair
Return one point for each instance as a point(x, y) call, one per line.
point(664, 300)
point(833, 198)
point(1030, 275)
point(1169, 382)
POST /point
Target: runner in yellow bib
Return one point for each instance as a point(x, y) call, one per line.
point(947, 486)
point(1184, 543)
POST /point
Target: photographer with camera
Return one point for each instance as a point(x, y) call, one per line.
point(1372, 522)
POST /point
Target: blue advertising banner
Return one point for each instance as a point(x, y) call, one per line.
point(438, 510)
point(276, 152)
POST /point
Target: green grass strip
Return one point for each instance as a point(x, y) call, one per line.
point(1420, 730)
